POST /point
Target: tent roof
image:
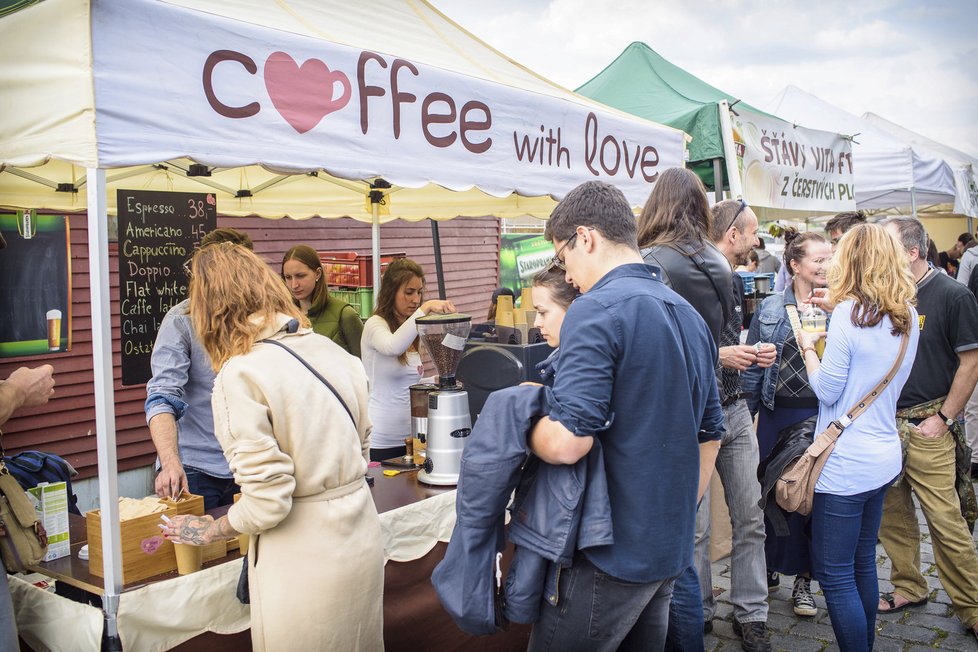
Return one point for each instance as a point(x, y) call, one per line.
point(100, 94)
point(641, 82)
point(885, 168)
point(964, 166)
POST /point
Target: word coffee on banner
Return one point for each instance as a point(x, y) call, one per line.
point(785, 166)
point(158, 233)
point(236, 94)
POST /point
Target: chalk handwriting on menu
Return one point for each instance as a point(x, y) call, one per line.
point(158, 232)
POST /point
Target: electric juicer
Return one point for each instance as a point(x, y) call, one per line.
point(449, 423)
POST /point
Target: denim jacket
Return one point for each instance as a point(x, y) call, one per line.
point(558, 509)
point(770, 324)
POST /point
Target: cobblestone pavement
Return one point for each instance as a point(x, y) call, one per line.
point(932, 626)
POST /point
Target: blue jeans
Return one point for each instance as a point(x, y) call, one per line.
point(686, 614)
point(596, 612)
point(844, 530)
point(216, 491)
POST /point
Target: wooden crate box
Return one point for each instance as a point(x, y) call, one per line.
point(145, 552)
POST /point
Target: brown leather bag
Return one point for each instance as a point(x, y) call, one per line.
point(795, 489)
point(23, 541)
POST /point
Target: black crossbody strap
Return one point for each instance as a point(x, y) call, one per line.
point(318, 375)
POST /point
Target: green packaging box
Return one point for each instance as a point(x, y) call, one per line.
point(51, 502)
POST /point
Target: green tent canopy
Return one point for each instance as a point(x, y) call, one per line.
point(643, 83)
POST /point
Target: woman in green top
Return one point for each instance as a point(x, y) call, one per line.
point(305, 278)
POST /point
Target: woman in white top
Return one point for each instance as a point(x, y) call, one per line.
point(872, 289)
point(389, 349)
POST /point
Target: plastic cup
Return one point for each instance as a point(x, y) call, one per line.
point(189, 558)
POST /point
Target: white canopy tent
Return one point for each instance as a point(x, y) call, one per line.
point(373, 110)
point(888, 173)
point(964, 166)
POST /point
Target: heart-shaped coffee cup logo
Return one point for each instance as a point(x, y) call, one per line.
point(303, 95)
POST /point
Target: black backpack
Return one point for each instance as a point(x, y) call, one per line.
point(31, 468)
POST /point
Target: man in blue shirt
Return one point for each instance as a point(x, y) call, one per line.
point(180, 392)
point(637, 371)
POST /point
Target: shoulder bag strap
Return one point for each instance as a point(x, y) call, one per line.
point(318, 375)
point(843, 422)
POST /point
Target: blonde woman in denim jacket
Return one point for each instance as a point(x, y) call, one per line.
point(781, 397)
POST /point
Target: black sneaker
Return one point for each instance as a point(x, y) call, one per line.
point(754, 636)
point(773, 582)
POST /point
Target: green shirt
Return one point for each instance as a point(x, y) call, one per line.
point(339, 322)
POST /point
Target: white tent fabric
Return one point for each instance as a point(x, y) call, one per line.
point(238, 83)
point(312, 97)
point(964, 166)
point(888, 173)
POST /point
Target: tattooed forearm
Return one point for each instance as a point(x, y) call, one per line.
point(194, 530)
point(224, 528)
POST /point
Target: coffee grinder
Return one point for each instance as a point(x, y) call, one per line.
point(449, 424)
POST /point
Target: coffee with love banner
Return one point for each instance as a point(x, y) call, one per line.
point(173, 82)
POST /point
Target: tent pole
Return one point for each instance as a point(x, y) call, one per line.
point(913, 201)
point(376, 196)
point(439, 270)
point(729, 152)
point(717, 181)
point(108, 479)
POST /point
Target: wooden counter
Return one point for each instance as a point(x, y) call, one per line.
point(413, 616)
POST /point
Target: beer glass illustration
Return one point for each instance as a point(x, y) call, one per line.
point(54, 330)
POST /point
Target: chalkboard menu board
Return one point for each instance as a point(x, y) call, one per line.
point(158, 233)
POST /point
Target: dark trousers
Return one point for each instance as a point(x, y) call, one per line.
point(596, 612)
point(216, 491)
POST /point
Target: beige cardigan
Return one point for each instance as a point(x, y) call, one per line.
point(316, 561)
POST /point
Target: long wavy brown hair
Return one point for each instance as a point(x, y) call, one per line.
point(233, 294)
point(398, 273)
point(870, 267)
point(677, 212)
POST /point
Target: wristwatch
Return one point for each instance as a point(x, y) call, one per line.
point(947, 422)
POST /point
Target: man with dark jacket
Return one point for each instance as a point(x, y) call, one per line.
point(734, 232)
point(636, 371)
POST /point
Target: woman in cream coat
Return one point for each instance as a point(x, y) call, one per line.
point(316, 567)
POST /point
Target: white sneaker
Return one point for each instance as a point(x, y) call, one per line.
point(801, 597)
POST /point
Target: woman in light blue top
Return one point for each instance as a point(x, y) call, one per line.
point(872, 289)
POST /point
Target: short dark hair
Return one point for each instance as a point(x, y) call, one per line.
point(913, 235)
point(965, 238)
point(724, 213)
point(845, 221)
point(760, 243)
point(225, 234)
point(596, 205)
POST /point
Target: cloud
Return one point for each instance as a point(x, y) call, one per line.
point(914, 64)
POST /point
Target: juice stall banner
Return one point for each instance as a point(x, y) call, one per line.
point(158, 233)
point(789, 167)
point(35, 284)
point(191, 80)
point(521, 256)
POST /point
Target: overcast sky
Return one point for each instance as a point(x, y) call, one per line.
point(912, 62)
